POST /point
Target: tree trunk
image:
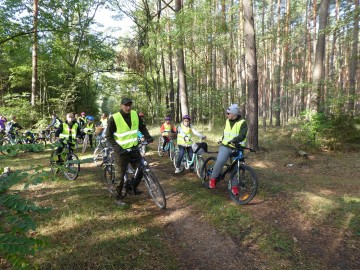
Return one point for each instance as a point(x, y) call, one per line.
point(34, 78)
point(252, 77)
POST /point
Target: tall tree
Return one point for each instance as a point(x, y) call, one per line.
point(252, 77)
point(34, 77)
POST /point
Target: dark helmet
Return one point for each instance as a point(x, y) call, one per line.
point(167, 118)
point(186, 117)
point(141, 114)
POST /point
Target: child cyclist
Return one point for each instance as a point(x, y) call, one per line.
point(89, 129)
point(165, 129)
point(185, 131)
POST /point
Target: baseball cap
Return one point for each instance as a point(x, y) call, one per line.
point(126, 101)
point(234, 109)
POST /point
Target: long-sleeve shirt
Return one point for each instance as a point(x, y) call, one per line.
point(111, 129)
point(242, 132)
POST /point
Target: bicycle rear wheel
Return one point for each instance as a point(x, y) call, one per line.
point(160, 144)
point(246, 180)
point(52, 137)
point(41, 141)
point(71, 166)
point(199, 164)
point(98, 156)
point(85, 143)
point(109, 179)
point(206, 170)
point(5, 142)
point(155, 190)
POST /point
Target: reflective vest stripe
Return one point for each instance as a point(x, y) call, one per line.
point(125, 136)
point(66, 131)
point(231, 133)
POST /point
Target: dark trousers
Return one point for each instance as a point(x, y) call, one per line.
point(121, 163)
point(182, 150)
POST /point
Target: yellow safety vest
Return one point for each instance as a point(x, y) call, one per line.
point(126, 137)
point(57, 123)
point(167, 129)
point(104, 122)
point(231, 133)
point(89, 128)
point(181, 137)
point(67, 131)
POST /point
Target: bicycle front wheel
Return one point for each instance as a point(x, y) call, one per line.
point(198, 166)
point(155, 190)
point(41, 141)
point(246, 180)
point(109, 179)
point(85, 143)
point(176, 157)
point(160, 144)
point(206, 170)
point(171, 151)
point(5, 142)
point(98, 156)
point(72, 166)
point(52, 137)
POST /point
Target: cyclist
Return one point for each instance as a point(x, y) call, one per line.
point(184, 142)
point(142, 116)
point(121, 134)
point(12, 127)
point(89, 129)
point(2, 123)
point(234, 132)
point(67, 132)
point(55, 121)
point(165, 129)
point(104, 122)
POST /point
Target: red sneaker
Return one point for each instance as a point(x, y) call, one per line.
point(212, 183)
point(235, 190)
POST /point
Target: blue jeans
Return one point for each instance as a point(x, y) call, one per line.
point(182, 150)
point(223, 156)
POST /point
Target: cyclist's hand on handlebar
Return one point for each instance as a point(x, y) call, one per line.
point(186, 139)
point(203, 137)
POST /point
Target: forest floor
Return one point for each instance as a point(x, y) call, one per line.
point(306, 215)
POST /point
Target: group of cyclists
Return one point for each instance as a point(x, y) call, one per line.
point(123, 129)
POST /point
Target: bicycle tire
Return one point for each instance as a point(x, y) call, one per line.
point(199, 164)
point(171, 151)
point(109, 179)
point(155, 190)
point(206, 170)
point(52, 137)
point(40, 141)
point(247, 183)
point(143, 150)
point(71, 166)
point(98, 156)
point(160, 144)
point(85, 143)
point(176, 156)
point(4, 142)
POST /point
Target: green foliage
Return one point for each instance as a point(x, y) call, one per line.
point(17, 225)
point(329, 131)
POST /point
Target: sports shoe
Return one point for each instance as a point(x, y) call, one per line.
point(212, 183)
point(235, 190)
point(177, 170)
point(119, 202)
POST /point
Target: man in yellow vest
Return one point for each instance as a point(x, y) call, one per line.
point(235, 131)
point(67, 132)
point(121, 134)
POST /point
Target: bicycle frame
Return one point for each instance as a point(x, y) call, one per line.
point(237, 161)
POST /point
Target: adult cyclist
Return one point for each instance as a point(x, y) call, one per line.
point(89, 129)
point(55, 121)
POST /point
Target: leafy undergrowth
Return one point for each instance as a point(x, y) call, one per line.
point(305, 215)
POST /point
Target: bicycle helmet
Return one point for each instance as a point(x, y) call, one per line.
point(167, 118)
point(83, 113)
point(186, 117)
point(141, 114)
point(90, 118)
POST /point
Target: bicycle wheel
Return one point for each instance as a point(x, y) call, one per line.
point(143, 150)
point(71, 166)
point(52, 137)
point(99, 156)
point(85, 143)
point(206, 170)
point(155, 190)
point(198, 166)
point(5, 142)
point(41, 141)
point(54, 165)
point(246, 180)
point(171, 150)
point(160, 144)
point(176, 156)
point(109, 179)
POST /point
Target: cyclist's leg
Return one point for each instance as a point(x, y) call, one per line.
point(59, 150)
point(190, 154)
point(135, 163)
point(223, 156)
point(121, 162)
point(180, 156)
point(91, 141)
point(165, 142)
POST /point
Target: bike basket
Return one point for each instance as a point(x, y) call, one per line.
point(172, 136)
point(200, 148)
point(98, 130)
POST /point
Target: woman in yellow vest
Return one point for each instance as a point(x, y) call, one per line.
point(89, 129)
point(165, 129)
point(184, 142)
point(68, 132)
point(122, 134)
point(235, 131)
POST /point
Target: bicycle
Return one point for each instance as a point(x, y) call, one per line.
point(86, 142)
point(15, 139)
point(169, 146)
point(240, 174)
point(99, 151)
point(48, 135)
point(68, 163)
point(151, 182)
point(197, 160)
